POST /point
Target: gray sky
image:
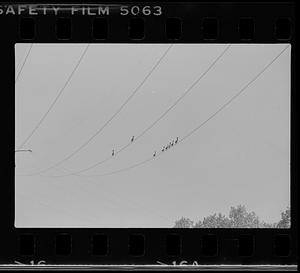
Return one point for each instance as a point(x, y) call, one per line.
point(241, 156)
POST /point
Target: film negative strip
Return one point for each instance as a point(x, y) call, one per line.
point(148, 136)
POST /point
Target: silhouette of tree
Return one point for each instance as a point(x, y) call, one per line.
point(214, 221)
point(238, 217)
point(184, 223)
point(285, 221)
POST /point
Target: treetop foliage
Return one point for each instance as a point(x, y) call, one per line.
point(238, 217)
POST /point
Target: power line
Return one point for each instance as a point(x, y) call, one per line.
point(23, 150)
point(55, 100)
point(163, 114)
point(199, 126)
point(111, 118)
point(23, 64)
point(160, 117)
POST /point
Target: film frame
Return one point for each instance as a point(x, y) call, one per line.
point(51, 248)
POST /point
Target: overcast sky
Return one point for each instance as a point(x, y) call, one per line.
point(241, 156)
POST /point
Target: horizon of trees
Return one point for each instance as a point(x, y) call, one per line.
point(238, 217)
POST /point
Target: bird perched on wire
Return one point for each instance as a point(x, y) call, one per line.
point(176, 140)
point(154, 154)
point(113, 152)
point(132, 139)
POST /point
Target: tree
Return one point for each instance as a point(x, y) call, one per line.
point(214, 221)
point(240, 218)
point(184, 223)
point(285, 221)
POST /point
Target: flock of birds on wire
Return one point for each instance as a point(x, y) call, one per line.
point(166, 147)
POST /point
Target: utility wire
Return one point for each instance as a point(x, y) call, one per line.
point(199, 126)
point(163, 114)
point(55, 100)
point(159, 118)
point(23, 64)
point(111, 118)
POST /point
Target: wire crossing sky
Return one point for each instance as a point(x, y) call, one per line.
point(152, 124)
point(77, 150)
point(23, 64)
point(201, 124)
point(55, 100)
point(241, 152)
